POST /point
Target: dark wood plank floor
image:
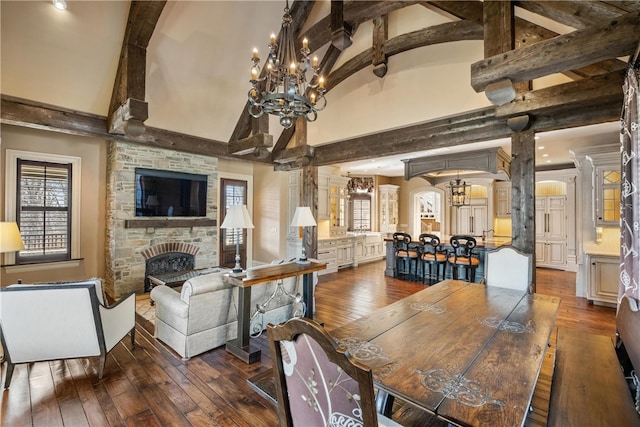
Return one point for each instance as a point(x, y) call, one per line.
point(149, 385)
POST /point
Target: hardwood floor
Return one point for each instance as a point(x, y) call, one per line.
point(150, 385)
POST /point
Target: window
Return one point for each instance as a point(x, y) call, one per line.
point(43, 196)
point(361, 212)
point(43, 210)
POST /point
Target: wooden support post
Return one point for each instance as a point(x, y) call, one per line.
point(523, 200)
point(309, 197)
point(499, 37)
point(308, 189)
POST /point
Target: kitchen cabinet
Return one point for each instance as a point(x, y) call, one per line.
point(324, 179)
point(472, 220)
point(551, 235)
point(607, 195)
point(603, 271)
point(338, 206)
point(388, 202)
point(503, 199)
point(344, 252)
point(327, 254)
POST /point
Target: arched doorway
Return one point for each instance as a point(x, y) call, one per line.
point(428, 212)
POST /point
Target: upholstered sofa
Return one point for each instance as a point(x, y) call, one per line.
point(41, 322)
point(203, 315)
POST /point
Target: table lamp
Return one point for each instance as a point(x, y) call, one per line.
point(237, 217)
point(303, 218)
point(10, 239)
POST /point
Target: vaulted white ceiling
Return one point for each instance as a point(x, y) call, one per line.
point(198, 63)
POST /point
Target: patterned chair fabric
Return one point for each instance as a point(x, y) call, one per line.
point(317, 383)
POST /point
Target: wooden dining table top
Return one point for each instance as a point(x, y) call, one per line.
point(467, 352)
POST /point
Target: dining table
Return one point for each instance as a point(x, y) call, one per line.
point(466, 352)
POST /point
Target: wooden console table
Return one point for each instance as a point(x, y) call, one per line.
point(241, 347)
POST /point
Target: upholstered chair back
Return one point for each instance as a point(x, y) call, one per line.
point(318, 383)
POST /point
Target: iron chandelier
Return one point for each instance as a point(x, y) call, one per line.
point(283, 89)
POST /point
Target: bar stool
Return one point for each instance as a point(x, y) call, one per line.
point(405, 253)
point(433, 256)
point(462, 256)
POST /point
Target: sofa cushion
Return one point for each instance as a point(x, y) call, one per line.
point(210, 282)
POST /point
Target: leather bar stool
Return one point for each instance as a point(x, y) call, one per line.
point(406, 253)
point(462, 256)
point(432, 255)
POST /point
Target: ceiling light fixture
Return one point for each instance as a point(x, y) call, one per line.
point(60, 4)
point(285, 91)
point(459, 192)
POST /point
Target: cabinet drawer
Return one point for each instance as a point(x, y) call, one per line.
point(326, 244)
point(344, 242)
point(326, 255)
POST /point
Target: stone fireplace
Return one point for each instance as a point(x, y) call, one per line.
point(128, 236)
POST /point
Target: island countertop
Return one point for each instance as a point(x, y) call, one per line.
point(489, 243)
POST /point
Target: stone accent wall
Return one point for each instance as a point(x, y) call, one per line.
point(125, 264)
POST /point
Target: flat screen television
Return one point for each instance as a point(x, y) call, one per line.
point(166, 193)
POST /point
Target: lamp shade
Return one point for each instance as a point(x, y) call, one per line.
point(10, 239)
point(237, 217)
point(303, 217)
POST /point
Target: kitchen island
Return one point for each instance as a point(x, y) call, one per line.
point(481, 249)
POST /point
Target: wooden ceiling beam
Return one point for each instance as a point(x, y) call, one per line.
point(604, 88)
point(475, 126)
point(127, 108)
point(579, 48)
point(35, 115)
point(576, 14)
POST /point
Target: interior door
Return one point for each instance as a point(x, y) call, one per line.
point(232, 192)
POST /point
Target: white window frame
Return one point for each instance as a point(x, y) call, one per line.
point(10, 202)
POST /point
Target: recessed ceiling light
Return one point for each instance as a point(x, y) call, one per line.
point(548, 161)
point(541, 147)
point(545, 155)
point(537, 137)
point(60, 4)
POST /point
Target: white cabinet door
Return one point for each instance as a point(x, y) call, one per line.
point(472, 220)
point(556, 219)
point(503, 199)
point(323, 196)
point(557, 254)
point(603, 278)
point(551, 231)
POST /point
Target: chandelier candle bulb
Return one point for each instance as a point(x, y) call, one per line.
point(288, 86)
point(255, 53)
point(254, 73)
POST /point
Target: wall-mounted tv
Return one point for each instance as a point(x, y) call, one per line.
point(166, 193)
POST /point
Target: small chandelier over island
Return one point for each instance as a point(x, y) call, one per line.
point(288, 88)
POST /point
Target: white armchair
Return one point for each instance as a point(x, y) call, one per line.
point(198, 318)
point(41, 322)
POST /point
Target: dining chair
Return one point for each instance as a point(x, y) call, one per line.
point(463, 256)
point(432, 255)
point(406, 253)
point(507, 267)
point(317, 382)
